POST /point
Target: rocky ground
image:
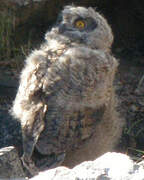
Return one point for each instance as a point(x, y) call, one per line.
point(10, 133)
point(110, 166)
point(130, 90)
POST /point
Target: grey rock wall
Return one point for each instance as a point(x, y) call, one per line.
point(110, 166)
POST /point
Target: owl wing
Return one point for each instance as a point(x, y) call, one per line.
point(28, 106)
point(38, 83)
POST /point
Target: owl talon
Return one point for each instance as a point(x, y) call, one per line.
point(50, 162)
point(29, 165)
point(59, 160)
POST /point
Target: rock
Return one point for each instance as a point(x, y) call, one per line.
point(10, 165)
point(110, 166)
point(62, 173)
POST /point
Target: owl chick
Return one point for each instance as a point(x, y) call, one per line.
point(66, 102)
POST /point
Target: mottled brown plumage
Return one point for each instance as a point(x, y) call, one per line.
point(66, 100)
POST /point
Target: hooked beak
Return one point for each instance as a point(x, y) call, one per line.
point(61, 28)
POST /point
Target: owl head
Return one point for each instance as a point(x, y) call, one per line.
point(84, 26)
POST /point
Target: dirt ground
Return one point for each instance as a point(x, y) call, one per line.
point(129, 85)
point(130, 90)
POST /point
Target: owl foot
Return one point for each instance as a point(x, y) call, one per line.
point(50, 162)
point(29, 165)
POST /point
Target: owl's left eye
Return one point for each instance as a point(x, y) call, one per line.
point(80, 24)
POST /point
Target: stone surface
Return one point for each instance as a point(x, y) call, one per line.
point(10, 165)
point(110, 166)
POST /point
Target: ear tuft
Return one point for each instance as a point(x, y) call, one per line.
point(91, 10)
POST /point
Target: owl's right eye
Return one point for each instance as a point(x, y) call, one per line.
point(80, 24)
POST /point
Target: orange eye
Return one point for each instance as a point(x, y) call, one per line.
point(80, 24)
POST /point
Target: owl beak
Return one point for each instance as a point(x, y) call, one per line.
point(61, 28)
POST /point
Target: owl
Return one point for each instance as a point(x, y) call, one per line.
point(66, 102)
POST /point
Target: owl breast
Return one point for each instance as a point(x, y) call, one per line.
point(78, 105)
point(69, 130)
